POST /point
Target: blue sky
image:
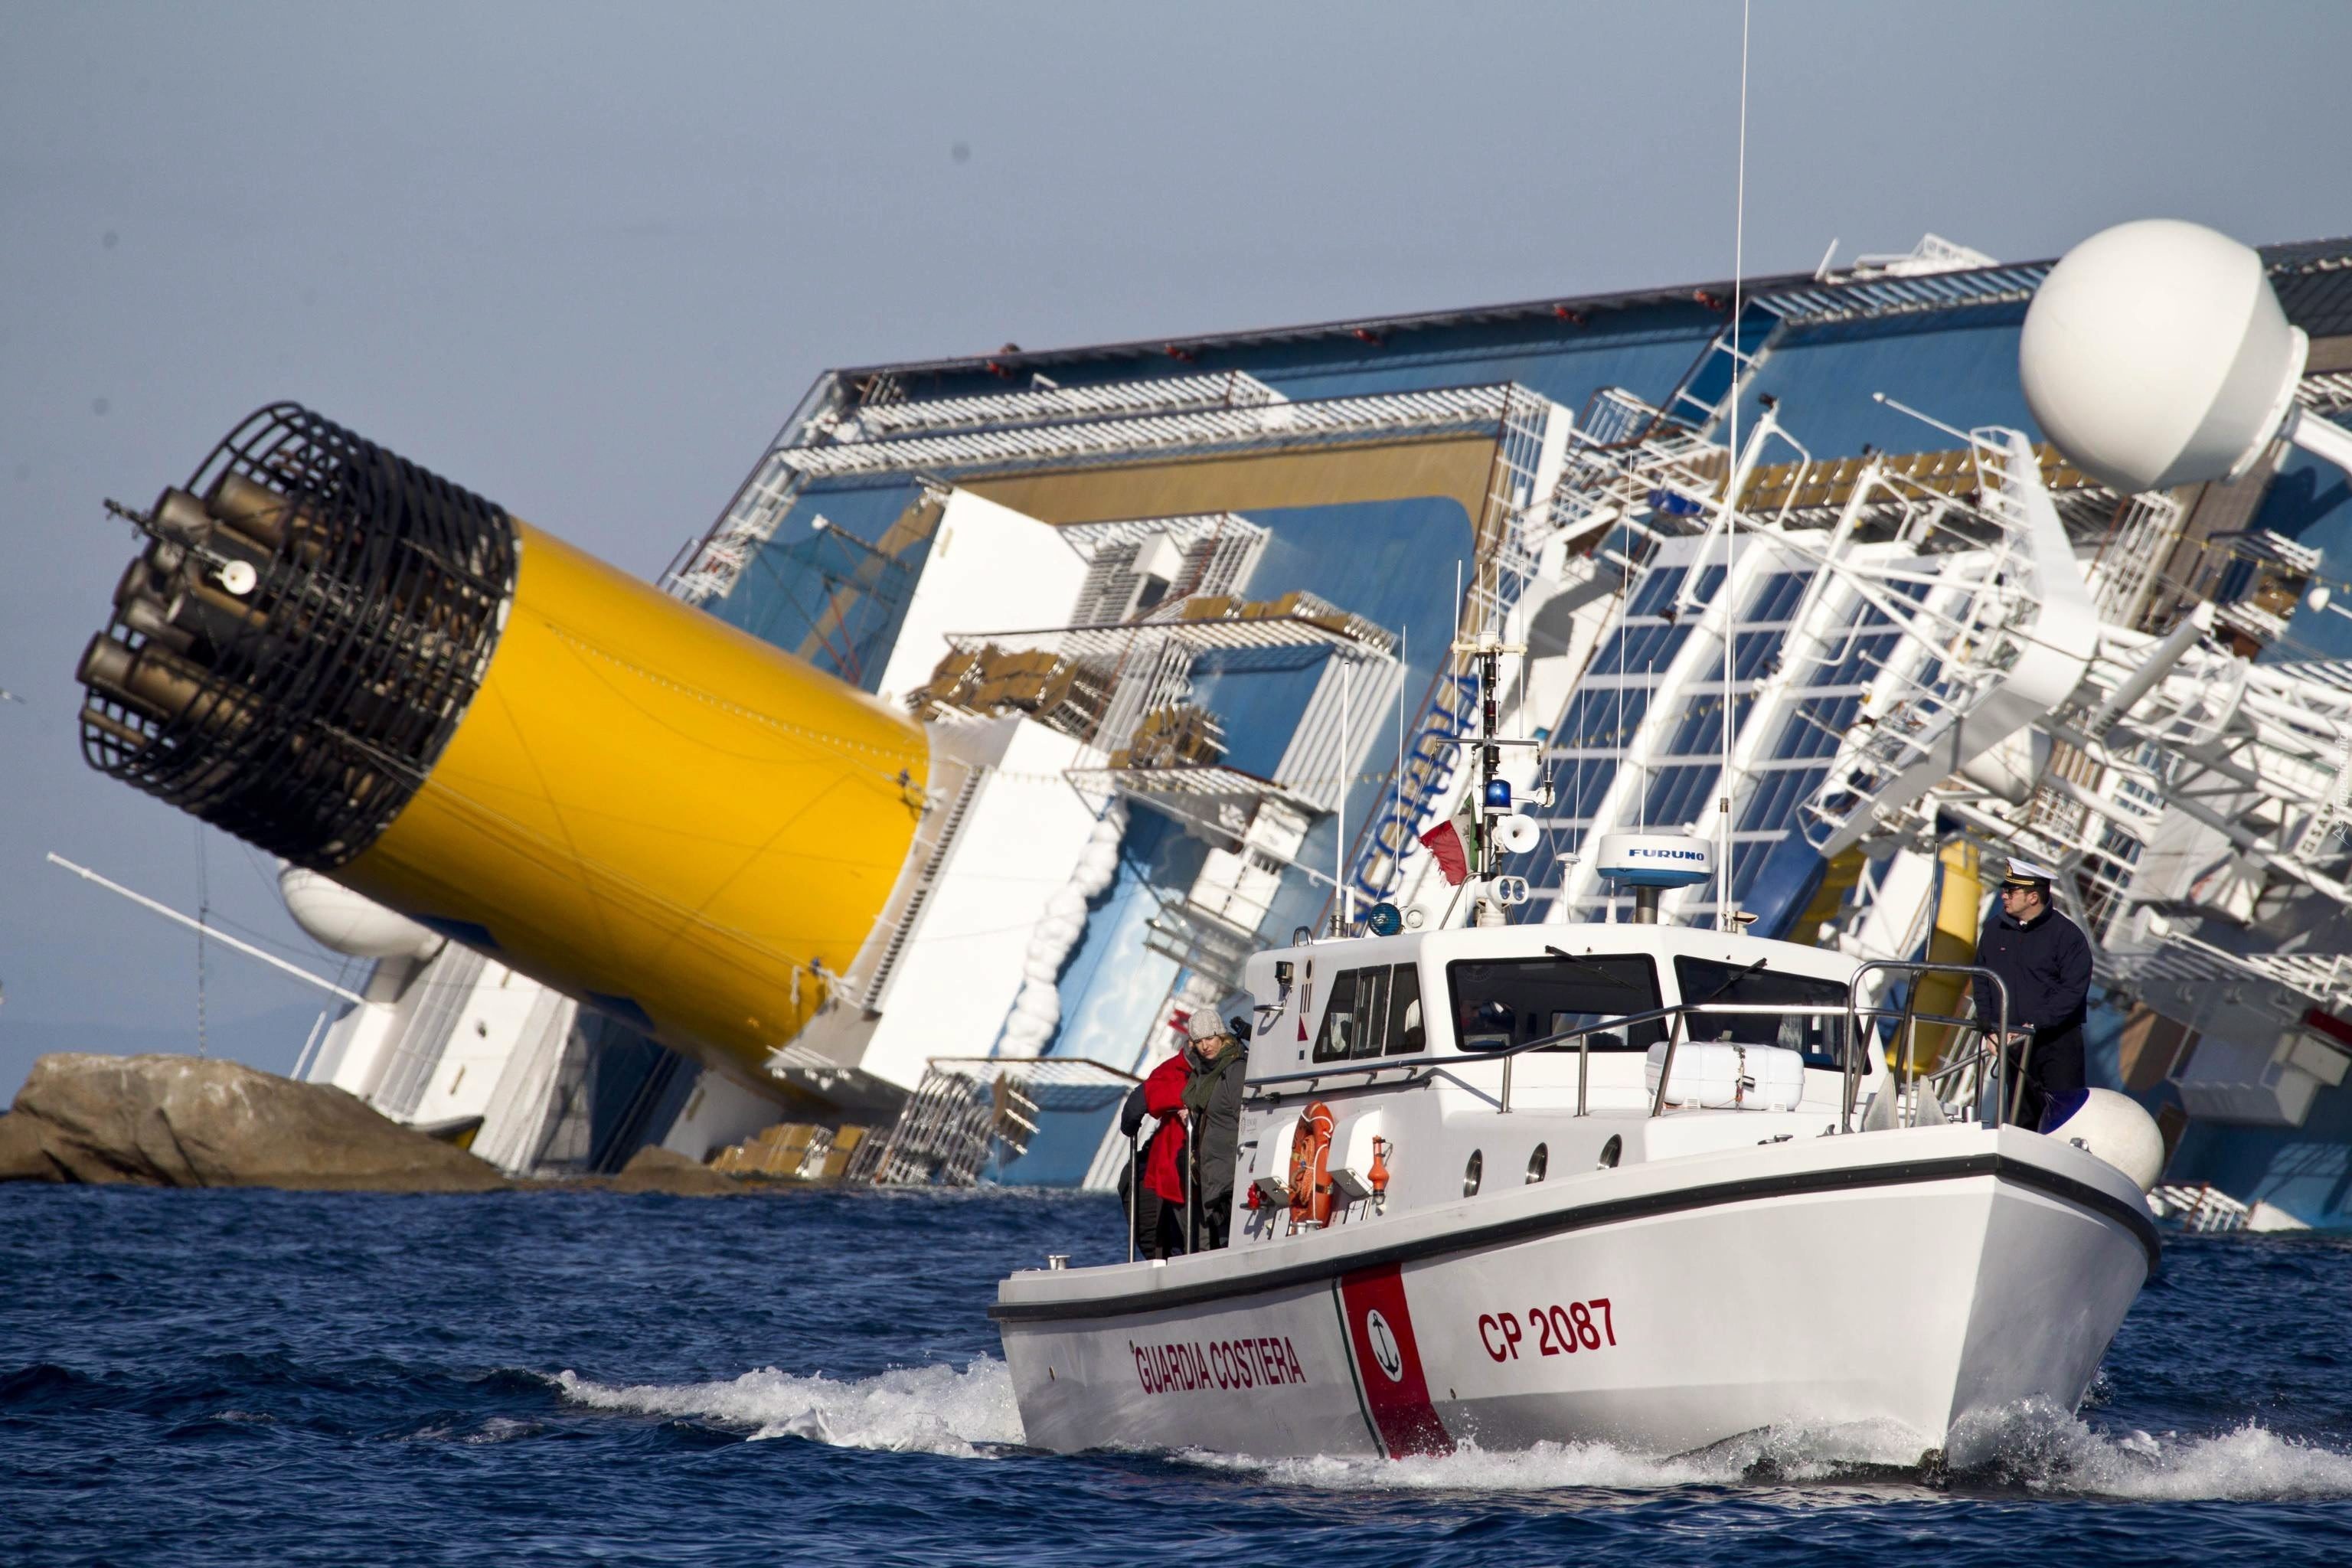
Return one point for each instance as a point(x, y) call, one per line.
point(584, 259)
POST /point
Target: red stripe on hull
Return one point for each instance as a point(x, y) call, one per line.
point(1388, 1364)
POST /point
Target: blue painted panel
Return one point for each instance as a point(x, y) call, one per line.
point(1601, 718)
point(2311, 502)
point(2307, 1170)
point(786, 587)
point(1392, 562)
point(1957, 367)
point(1111, 985)
point(1568, 367)
point(1776, 886)
point(1259, 697)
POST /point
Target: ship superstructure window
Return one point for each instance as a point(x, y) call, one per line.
point(1135, 566)
point(1500, 1003)
point(1373, 1011)
point(1652, 699)
point(1407, 1035)
point(1604, 719)
point(1338, 1035)
point(1820, 1036)
point(1366, 1022)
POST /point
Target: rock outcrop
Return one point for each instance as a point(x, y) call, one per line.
point(653, 1169)
point(193, 1122)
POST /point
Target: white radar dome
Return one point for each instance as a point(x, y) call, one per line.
point(2155, 355)
point(2111, 1127)
point(1655, 859)
point(337, 918)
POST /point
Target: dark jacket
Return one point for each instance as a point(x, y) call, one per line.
point(2046, 962)
point(1214, 1095)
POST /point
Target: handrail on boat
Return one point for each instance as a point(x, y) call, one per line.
point(1582, 1035)
point(2009, 1086)
point(1990, 1110)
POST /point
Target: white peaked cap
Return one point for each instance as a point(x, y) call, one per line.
point(2027, 869)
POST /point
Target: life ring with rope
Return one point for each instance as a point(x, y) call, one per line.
point(1310, 1174)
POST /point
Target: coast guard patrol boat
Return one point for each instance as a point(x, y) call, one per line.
point(1629, 1181)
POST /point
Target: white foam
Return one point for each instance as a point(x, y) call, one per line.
point(2049, 1450)
point(969, 1413)
point(502, 1429)
point(1547, 1466)
point(2040, 1448)
point(930, 1409)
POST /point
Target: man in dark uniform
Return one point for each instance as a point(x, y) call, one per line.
point(2046, 961)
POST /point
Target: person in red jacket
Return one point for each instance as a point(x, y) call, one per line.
point(1159, 1196)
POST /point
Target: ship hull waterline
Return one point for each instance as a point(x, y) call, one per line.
point(1902, 1298)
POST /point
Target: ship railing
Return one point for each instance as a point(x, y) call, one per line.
point(1417, 1069)
point(1988, 1064)
point(1422, 1069)
point(1987, 1060)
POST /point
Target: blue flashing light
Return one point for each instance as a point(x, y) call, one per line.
point(1498, 795)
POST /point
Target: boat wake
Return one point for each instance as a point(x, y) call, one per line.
point(964, 1413)
point(2035, 1449)
point(2042, 1449)
point(969, 1412)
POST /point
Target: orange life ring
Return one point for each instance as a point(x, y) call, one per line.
point(1311, 1175)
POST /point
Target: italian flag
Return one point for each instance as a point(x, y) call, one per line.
point(1455, 843)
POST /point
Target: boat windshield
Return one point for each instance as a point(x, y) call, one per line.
point(1820, 1036)
point(1504, 1002)
point(1373, 1011)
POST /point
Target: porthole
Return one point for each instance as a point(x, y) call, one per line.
point(1610, 1150)
point(1472, 1173)
point(1538, 1163)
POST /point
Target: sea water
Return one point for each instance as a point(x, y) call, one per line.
point(237, 1377)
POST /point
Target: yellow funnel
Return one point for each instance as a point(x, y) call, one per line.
point(489, 731)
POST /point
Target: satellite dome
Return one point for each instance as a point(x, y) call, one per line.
point(2155, 355)
point(347, 922)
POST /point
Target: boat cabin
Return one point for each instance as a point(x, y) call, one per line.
point(1432, 1066)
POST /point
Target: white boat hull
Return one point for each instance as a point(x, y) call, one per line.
point(1889, 1286)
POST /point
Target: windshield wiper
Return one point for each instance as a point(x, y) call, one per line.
point(1586, 964)
point(1728, 983)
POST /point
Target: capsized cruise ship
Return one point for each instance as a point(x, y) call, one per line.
point(1168, 650)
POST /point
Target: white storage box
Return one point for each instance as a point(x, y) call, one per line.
point(1717, 1075)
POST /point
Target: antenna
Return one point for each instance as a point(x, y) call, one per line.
point(204, 917)
point(1343, 905)
point(1723, 921)
point(1404, 674)
point(169, 913)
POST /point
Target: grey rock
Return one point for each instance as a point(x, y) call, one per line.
point(192, 1121)
point(657, 1170)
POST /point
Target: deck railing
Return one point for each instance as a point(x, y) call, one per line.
point(1989, 1062)
point(1990, 1058)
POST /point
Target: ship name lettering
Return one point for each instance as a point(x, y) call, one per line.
point(1587, 1325)
point(1181, 1367)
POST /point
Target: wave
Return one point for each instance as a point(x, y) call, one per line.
point(965, 1412)
point(2034, 1450)
point(969, 1413)
point(2044, 1449)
